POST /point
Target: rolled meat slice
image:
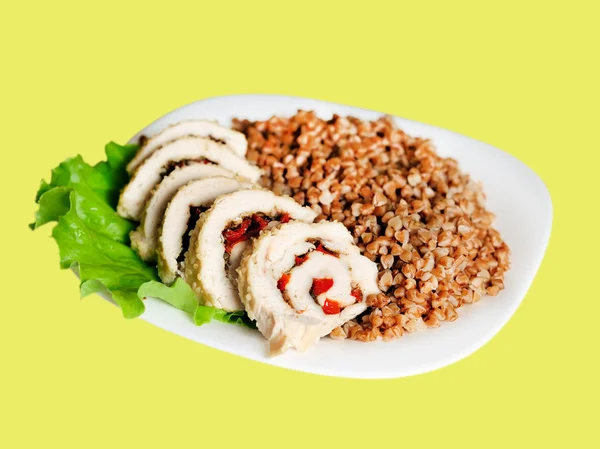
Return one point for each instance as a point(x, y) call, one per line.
point(145, 237)
point(180, 219)
point(222, 234)
point(177, 153)
point(235, 140)
point(300, 281)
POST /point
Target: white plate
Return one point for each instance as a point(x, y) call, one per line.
point(515, 194)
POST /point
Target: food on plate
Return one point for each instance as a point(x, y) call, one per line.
point(222, 234)
point(144, 238)
point(180, 219)
point(410, 210)
point(165, 159)
point(196, 128)
point(300, 281)
point(357, 230)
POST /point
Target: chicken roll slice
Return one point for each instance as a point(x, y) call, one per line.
point(300, 281)
point(173, 154)
point(222, 234)
point(180, 219)
point(145, 237)
point(235, 140)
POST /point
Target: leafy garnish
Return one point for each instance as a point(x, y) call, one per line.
point(105, 265)
point(180, 295)
point(94, 239)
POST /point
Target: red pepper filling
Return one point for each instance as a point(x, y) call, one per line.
point(324, 250)
point(357, 294)
point(249, 228)
point(301, 259)
point(283, 281)
point(285, 218)
point(321, 285)
point(331, 307)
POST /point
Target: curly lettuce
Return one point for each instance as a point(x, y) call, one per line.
point(180, 295)
point(94, 239)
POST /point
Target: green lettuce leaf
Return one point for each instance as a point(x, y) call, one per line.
point(105, 264)
point(96, 190)
point(180, 295)
point(54, 203)
point(93, 211)
point(205, 314)
point(103, 180)
point(94, 239)
point(91, 236)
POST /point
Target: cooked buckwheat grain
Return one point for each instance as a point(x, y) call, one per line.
point(411, 211)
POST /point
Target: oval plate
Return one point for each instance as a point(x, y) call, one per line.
point(515, 194)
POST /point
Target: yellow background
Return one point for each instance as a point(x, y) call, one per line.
point(522, 76)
